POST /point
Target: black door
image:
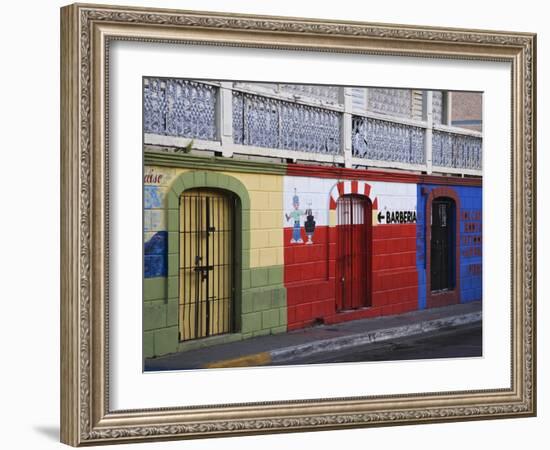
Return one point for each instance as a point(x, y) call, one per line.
point(442, 245)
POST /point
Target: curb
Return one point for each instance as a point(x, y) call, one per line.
point(370, 337)
point(255, 359)
point(284, 355)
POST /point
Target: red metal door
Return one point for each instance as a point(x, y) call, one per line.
point(354, 214)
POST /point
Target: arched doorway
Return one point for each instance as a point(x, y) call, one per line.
point(206, 263)
point(353, 264)
point(443, 245)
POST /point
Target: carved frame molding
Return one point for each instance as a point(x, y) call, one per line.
point(86, 32)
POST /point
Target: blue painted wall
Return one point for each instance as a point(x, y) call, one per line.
point(152, 197)
point(155, 262)
point(155, 249)
point(471, 243)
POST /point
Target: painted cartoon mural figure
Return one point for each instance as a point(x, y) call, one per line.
point(309, 225)
point(295, 216)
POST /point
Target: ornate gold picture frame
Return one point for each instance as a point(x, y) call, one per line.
point(87, 32)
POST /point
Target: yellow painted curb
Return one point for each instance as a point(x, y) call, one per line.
point(257, 359)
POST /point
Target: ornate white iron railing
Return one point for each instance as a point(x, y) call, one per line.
point(266, 122)
point(456, 151)
point(383, 140)
point(182, 108)
point(314, 123)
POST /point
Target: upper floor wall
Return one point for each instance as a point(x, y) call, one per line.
point(353, 127)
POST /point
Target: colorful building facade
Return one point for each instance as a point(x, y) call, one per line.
point(308, 245)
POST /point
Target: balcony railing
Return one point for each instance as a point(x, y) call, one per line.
point(304, 123)
point(267, 122)
point(456, 151)
point(384, 140)
point(180, 108)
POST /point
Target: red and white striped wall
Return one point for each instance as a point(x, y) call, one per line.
point(310, 269)
point(349, 187)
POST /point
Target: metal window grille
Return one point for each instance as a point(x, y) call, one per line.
point(206, 305)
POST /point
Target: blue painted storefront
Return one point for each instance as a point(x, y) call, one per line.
point(470, 222)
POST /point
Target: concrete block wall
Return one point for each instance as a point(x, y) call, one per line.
point(394, 274)
point(285, 285)
point(310, 269)
point(310, 286)
point(261, 299)
point(263, 292)
point(160, 326)
point(471, 243)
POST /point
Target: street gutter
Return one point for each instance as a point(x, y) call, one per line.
point(287, 354)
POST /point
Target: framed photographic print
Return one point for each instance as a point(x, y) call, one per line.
point(277, 224)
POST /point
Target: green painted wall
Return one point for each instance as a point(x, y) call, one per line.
point(260, 295)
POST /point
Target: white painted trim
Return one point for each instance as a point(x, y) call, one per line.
point(347, 187)
point(457, 130)
point(334, 194)
point(225, 117)
point(458, 171)
point(216, 146)
point(394, 119)
point(388, 164)
point(448, 107)
point(177, 141)
point(346, 130)
point(287, 154)
point(428, 136)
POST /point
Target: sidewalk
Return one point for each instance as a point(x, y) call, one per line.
point(283, 348)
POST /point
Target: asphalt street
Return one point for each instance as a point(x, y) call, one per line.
point(446, 332)
point(460, 342)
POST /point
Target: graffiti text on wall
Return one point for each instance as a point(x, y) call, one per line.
point(474, 269)
point(471, 239)
point(471, 214)
point(152, 178)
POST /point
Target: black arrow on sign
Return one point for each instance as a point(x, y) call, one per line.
point(380, 217)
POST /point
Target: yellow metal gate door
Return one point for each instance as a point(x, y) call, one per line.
point(206, 264)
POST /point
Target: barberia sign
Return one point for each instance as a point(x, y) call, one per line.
point(391, 217)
